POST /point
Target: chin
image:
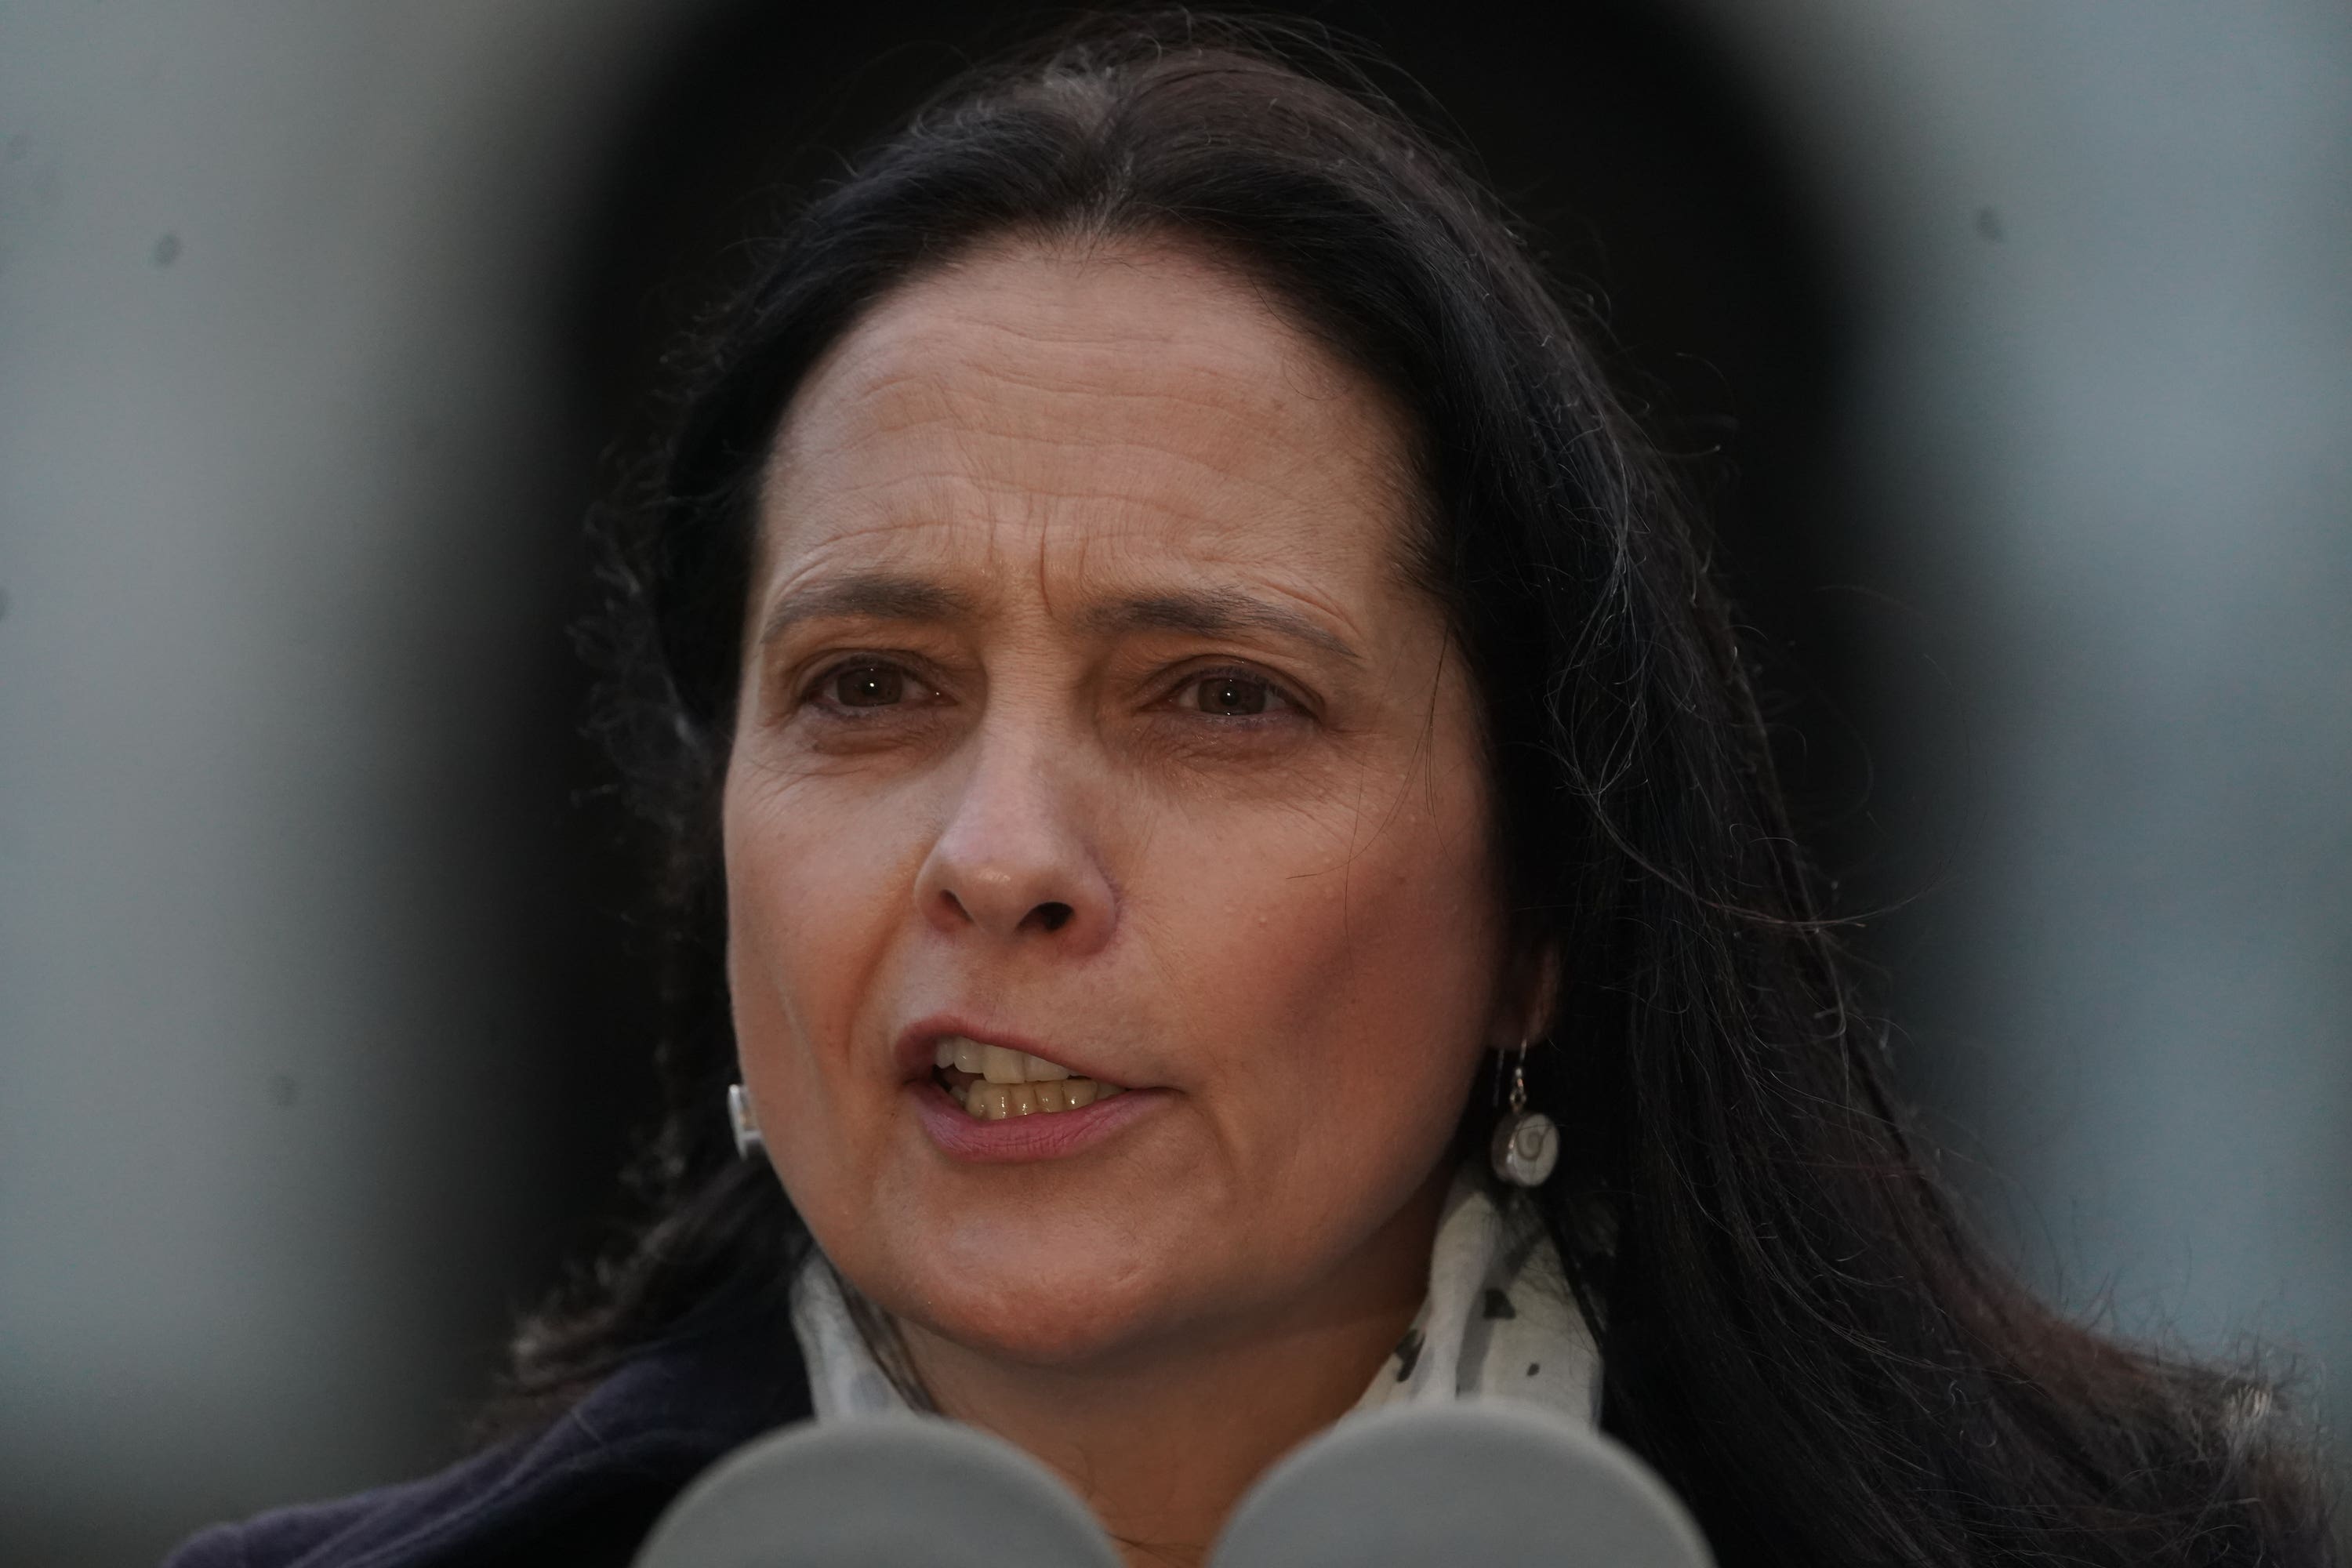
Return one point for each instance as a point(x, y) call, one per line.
point(1035, 1313)
point(1034, 1328)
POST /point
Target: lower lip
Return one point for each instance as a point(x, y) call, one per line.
point(1041, 1135)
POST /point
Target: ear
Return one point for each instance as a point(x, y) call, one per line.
point(1531, 996)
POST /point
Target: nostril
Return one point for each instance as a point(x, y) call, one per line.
point(1052, 917)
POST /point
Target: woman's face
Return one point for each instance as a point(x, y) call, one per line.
point(1088, 712)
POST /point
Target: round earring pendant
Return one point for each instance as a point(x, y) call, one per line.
point(1526, 1148)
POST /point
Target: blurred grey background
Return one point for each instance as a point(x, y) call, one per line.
point(2012, 342)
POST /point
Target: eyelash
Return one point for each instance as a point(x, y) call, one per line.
point(1274, 688)
point(812, 695)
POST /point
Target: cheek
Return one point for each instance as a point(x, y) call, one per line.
point(810, 896)
point(1343, 963)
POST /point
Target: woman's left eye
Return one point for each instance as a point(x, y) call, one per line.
point(1233, 694)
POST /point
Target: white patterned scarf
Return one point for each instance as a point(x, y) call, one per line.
point(1498, 1322)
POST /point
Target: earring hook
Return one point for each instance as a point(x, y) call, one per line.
point(1525, 1145)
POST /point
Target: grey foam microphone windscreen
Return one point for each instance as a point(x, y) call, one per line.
point(1480, 1482)
point(1413, 1487)
point(885, 1491)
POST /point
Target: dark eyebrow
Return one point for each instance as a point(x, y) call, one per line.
point(870, 596)
point(1212, 612)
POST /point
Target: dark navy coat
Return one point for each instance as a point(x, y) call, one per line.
point(581, 1494)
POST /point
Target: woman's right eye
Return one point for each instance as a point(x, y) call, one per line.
point(868, 686)
point(862, 689)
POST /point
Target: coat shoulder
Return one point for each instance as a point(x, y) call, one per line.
point(586, 1490)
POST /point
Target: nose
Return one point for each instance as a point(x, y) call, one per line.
point(1012, 861)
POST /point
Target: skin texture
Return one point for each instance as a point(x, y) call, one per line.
point(1247, 868)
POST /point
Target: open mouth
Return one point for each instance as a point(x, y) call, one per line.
point(993, 1082)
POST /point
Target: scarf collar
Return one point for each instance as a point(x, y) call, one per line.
point(1498, 1322)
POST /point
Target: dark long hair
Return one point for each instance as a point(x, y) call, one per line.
point(1798, 1331)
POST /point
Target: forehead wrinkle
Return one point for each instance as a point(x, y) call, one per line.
point(877, 594)
point(968, 436)
point(907, 361)
point(1168, 555)
point(1119, 481)
point(904, 373)
point(1124, 571)
point(901, 386)
point(1089, 511)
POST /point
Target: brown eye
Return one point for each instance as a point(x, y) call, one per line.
point(868, 686)
point(1232, 696)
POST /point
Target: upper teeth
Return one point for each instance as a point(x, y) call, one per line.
point(995, 1063)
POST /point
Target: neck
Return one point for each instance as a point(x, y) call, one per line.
point(1162, 1442)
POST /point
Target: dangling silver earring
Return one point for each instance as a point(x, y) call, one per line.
point(748, 1141)
point(1526, 1145)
